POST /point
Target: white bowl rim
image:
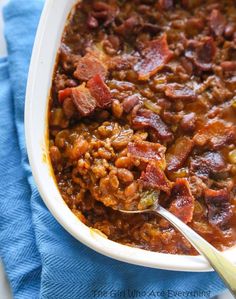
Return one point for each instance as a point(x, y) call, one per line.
point(42, 64)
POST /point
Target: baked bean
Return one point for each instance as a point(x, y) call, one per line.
point(131, 190)
point(79, 148)
point(55, 154)
point(104, 184)
point(117, 109)
point(229, 30)
point(105, 154)
point(99, 171)
point(114, 182)
point(125, 175)
point(152, 68)
point(105, 131)
point(124, 162)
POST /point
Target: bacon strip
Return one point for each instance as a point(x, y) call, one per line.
point(147, 119)
point(86, 99)
point(202, 53)
point(215, 135)
point(154, 177)
point(83, 100)
point(89, 66)
point(131, 101)
point(219, 208)
point(208, 164)
point(146, 151)
point(179, 92)
point(155, 55)
point(63, 94)
point(178, 153)
point(100, 91)
point(182, 205)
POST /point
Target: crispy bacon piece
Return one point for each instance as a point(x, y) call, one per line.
point(146, 151)
point(121, 62)
point(89, 66)
point(178, 153)
point(202, 53)
point(154, 56)
point(182, 204)
point(100, 91)
point(217, 22)
point(147, 119)
point(208, 164)
point(219, 208)
point(63, 94)
point(179, 92)
point(69, 108)
point(83, 100)
point(131, 101)
point(215, 135)
point(154, 177)
point(86, 99)
point(205, 54)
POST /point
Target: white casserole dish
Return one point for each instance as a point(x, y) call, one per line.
point(47, 42)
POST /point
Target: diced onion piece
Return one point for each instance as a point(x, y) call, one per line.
point(148, 199)
point(152, 106)
point(234, 103)
point(232, 156)
point(57, 118)
point(198, 209)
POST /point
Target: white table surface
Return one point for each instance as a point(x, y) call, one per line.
point(5, 292)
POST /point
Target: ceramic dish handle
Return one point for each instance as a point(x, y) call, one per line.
point(222, 266)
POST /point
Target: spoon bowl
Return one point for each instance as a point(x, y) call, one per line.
point(225, 268)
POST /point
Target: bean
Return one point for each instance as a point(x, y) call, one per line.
point(229, 30)
point(105, 131)
point(125, 175)
point(99, 171)
point(117, 109)
point(92, 22)
point(103, 184)
point(124, 162)
point(114, 182)
point(103, 115)
point(55, 154)
point(131, 190)
point(105, 154)
point(80, 147)
point(228, 66)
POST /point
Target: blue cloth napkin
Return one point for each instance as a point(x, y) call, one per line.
point(41, 259)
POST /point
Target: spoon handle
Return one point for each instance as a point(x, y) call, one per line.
point(222, 266)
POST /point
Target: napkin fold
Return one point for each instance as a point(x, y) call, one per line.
point(41, 259)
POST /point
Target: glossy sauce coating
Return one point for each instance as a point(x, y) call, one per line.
point(143, 98)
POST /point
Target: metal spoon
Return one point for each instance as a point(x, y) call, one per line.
point(225, 269)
